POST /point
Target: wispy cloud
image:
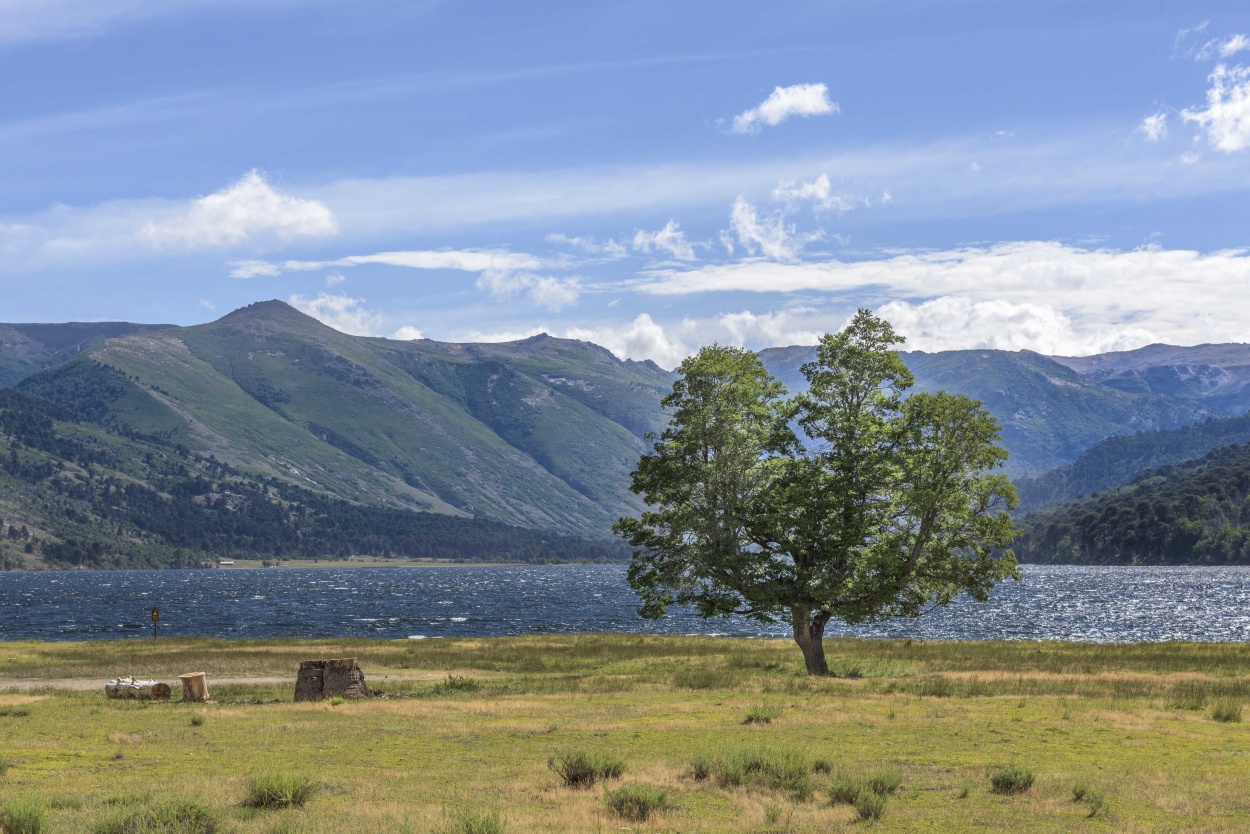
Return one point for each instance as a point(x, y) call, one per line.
point(767, 235)
point(784, 103)
point(818, 191)
point(1155, 127)
point(234, 215)
point(670, 240)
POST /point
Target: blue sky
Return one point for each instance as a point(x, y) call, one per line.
point(1068, 177)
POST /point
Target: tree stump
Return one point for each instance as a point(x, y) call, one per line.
point(194, 686)
point(329, 678)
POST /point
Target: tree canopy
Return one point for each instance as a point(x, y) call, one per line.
point(884, 505)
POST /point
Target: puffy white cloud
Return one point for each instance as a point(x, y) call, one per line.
point(642, 338)
point(406, 333)
point(1233, 45)
point(232, 216)
point(342, 312)
point(1179, 296)
point(771, 236)
point(544, 290)
point(1155, 126)
point(819, 191)
point(1226, 120)
point(670, 239)
point(784, 102)
point(747, 329)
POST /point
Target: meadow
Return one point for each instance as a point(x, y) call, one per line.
point(590, 733)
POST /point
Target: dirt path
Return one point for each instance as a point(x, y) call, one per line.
point(88, 684)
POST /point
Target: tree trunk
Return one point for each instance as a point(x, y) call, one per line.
point(809, 633)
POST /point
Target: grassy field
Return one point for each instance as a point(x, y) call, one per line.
point(714, 735)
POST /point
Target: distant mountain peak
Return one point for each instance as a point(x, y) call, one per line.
point(273, 316)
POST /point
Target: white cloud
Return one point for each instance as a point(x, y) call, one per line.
point(342, 312)
point(670, 239)
point(747, 329)
point(1179, 296)
point(1226, 120)
point(610, 247)
point(499, 335)
point(1155, 127)
point(406, 333)
point(770, 236)
point(465, 260)
point(208, 304)
point(819, 191)
point(235, 214)
point(334, 279)
point(640, 339)
point(544, 290)
point(1235, 44)
point(784, 102)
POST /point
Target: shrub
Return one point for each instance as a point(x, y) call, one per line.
point(22, 816)
point(1011, 780)
point(337, 701)
point(579, 769)
point(845, 790)
point(179, 816)
point(884, 782)
point(760, 714)
point(1078, 791)
point(1097, 802)
point(775, 769)
point(1226, 710)
point(197, 720)
point(637, 802)
point(822, 766)
point(468, 821)
point(278, 790)
point(457, 683)
point(701, 767)
point(870, 805)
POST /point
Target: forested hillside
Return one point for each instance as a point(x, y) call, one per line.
point(1194, 512)
point(74, 493)
point(1117, 460)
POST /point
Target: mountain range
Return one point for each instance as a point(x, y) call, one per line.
point(539, 434)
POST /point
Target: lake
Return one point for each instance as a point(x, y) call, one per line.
point(1096, 604)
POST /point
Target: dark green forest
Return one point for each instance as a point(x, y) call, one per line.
point(1196, 512)
point(1117, 460)
point(81, 494)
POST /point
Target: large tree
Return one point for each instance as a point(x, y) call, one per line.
point(884, 505)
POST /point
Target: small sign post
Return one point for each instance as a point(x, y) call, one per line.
point(156, 622)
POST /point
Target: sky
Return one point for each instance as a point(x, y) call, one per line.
point(1064, 176)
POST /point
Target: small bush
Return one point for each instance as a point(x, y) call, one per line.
point(884, 782)
point(22, 816)
point(822, 766)
point(579, 769)
point(472, 822)
point(760, 714)
point(179, 816)
point(457, 683)
point(1097, 802)
point(637, 802)
point(337, 701)
point(785, 770)
point(278, 790)
point(701, 767)
point(1011, 780)
point(1226, 710)
point(1078, 791)
point(197, 720)
point(845, 790)
point(870, 805)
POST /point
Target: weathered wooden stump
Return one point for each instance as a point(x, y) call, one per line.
point(327, 678)
point(194, 686)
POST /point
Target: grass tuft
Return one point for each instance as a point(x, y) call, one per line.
point(22, 816)
point(1226, 711)
point(702, 767)
point(457, 684)
point(870, 805)
point(278, 790)
point(14, 712)
point(468, 821)
point(1186, 696)
point(1011, 780)
point(760, 714)
point(784, 769)
point(579, 769)
point(179, 816)
point(197, 720)
point(637, 803)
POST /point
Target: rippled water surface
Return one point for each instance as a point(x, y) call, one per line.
point(1051, 603)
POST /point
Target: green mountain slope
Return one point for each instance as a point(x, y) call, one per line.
point(75, 493)
point(1194, 512)
point(29, 348)
point(541, 433)
point(1050, 413)
point(1117, 460)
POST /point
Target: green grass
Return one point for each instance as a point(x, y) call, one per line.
point(1093, 715)
point(579, 769)
point(1011, 780)
point(177, 816)
point(637, 803)
point(278, 790)
point(22, 815)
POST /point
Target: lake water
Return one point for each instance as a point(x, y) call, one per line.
point(1051, 603)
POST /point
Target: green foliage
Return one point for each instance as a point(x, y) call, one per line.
point(1193, 512)
point(1011, 780)
point(1226, 711)
point(891, 511)
point(178, 816)
point(783, 769)
point(760, 714)
point(579, 769)
point(637, 803)
point(278, 790)
point(457, 683)
point(197, 720)
point(471, 821)
point(22, 815)
point(702, 766)
point(870, 805)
